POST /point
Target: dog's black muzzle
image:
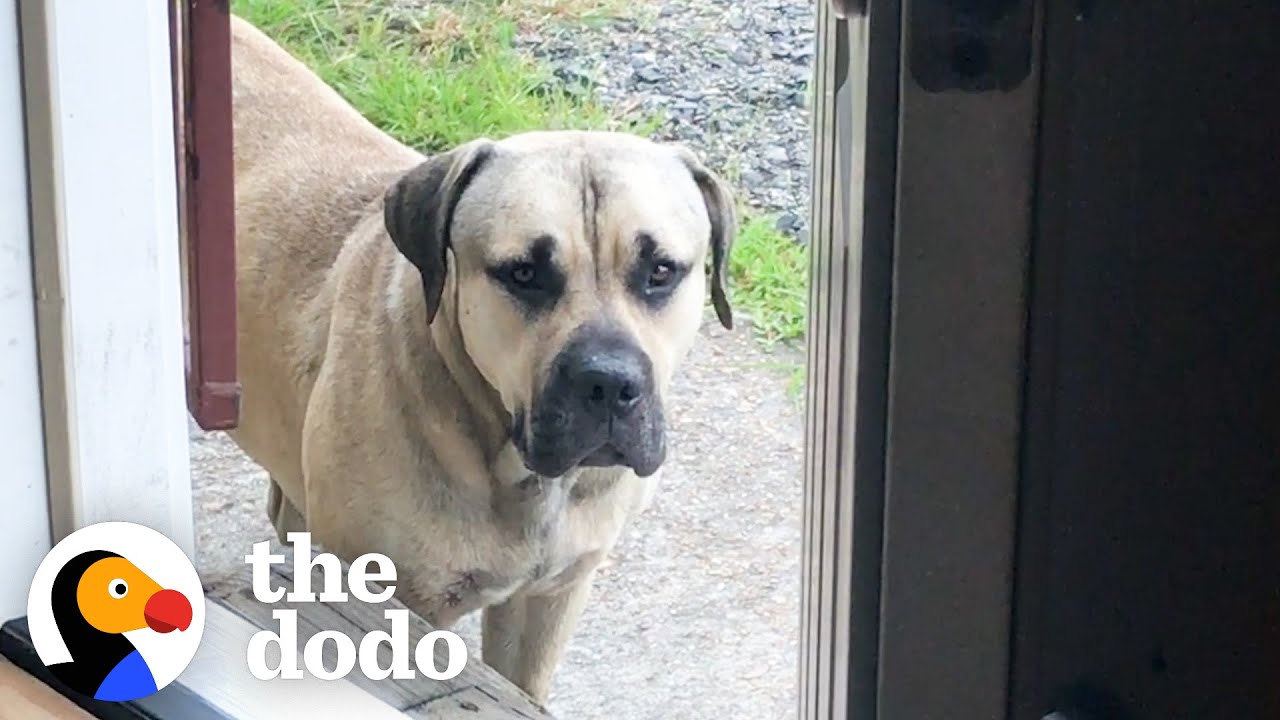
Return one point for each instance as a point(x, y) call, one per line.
point(597, 408)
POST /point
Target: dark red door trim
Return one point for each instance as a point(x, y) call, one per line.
point(202, 91)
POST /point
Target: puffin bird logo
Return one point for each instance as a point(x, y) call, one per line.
point(105, 627)
point(97, 597)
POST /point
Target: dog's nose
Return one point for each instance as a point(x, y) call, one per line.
point(610, 385)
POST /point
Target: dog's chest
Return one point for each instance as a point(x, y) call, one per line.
point(544, 552)
point(502, 568)
point(539, 537)
point(557, 534)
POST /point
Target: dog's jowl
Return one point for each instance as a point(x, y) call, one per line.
point(463, 361)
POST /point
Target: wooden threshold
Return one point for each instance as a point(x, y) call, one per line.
point(478, 693)
point(217, 685)
point(23, 697)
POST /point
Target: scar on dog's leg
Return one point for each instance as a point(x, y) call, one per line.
point(284, 516)
point(549, 620)
point(500, 635)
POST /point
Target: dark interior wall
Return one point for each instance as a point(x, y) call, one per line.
point(1148, 564)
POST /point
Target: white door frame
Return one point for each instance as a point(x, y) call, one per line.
point(105, 251)
point(26, 529)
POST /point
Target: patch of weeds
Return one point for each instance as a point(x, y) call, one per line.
point(795, 382)
point(769, 274)
point(437, 75)
point(536, 11)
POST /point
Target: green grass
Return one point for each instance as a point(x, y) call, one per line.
point(770, 273)
point(446, 72)
point(436, 76)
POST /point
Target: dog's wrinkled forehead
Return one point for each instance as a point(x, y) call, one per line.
point(565, 201)
point(593, 195)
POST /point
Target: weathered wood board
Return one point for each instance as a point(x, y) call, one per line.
point(478, 693)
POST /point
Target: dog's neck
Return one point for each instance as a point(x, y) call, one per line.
point(492, 419)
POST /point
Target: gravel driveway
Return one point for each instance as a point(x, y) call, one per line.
point(697, 617)
point(730, 78)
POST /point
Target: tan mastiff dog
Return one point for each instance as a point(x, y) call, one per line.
point(462, 361)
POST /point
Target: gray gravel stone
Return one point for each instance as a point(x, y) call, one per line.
point(787, 222)
point(776, 155)
point(650, 74)
point(747, 66)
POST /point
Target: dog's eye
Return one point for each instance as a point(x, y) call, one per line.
point(655, 279)
point(523, 274)
point(661, 275)
point(534, 283)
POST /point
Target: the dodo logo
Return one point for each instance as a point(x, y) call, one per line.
point(116, 611)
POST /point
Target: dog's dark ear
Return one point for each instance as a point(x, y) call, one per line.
point(418, 211)
point(722, 211)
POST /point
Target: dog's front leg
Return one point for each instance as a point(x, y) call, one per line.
point(500, 635)
point(526, 636)
point(284, 515)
